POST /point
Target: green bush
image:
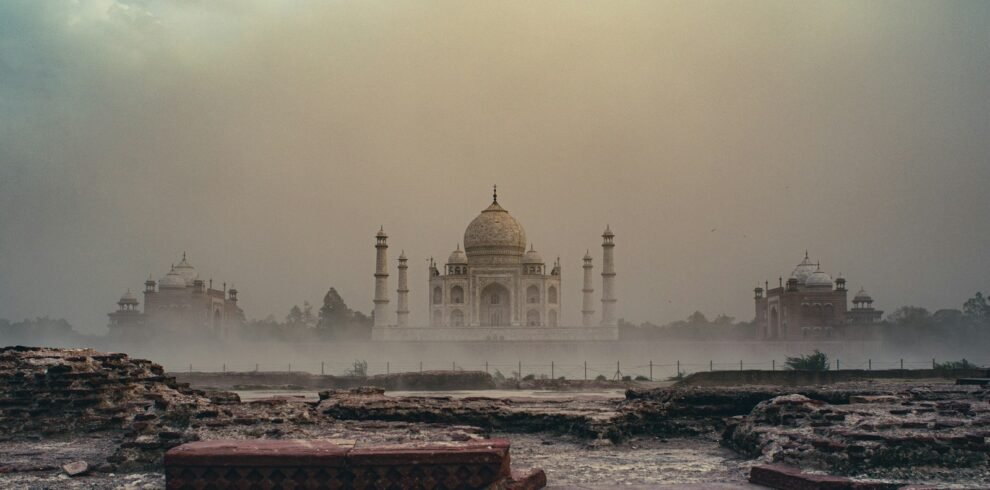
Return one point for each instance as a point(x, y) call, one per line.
point(816, 361)
point(953, 365)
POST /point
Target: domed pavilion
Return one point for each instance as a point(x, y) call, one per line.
point(497, 287)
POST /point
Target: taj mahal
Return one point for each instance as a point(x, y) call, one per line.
point(494, 290)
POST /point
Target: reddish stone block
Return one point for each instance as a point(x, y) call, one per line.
point(787, 478)
point(261, 452)
point(532, 479)
point(318, 464)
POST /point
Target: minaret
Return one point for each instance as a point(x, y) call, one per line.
point(381, 279)
point(587, 306)
point(402, 314)
point(608, 279)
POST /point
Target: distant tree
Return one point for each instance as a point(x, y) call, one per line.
point(295, 315)
point(334, 314)
point(948, 318)
point(909, 316)
point(307, 315)
point(976, 309)
point(697, 318)
point(723, 319)
point(816, 361)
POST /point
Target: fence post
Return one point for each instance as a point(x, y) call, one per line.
point(678, 367)
point(773, 365)
point(711, 365)
point(290, 367)
point(486, 367)
point(420, 367)
point(225, 367)
point(190, 367)
point(586, 370)
point(388, 368)
point(740, 364)
point(933, 364)
point(453, 366)
point(902, 364)
point(651, 370)
point(869, 365)
point(519, 373)
point(322, 370)
point(255, 367)
point(836, 363)
point(551, 370)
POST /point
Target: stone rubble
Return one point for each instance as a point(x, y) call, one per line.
point(890, 436)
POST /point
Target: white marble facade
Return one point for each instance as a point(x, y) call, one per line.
point(493, 289)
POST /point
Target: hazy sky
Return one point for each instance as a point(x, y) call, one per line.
point(269, 140)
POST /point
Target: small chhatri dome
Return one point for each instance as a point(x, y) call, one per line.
point(587, 255)
point(804, 270)
point(128, 299)
point(862, 297)
point(818, 279)
point(532, 256)
point(402, 255)
point(494, 232)
point(457, 256)
point(381, 232)
point(172, 280)
point(187, 271)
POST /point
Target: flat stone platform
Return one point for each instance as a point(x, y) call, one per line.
point(332, 464)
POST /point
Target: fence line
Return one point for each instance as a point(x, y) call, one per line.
point(642, 370)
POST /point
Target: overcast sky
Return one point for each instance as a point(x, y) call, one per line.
point(269, 140)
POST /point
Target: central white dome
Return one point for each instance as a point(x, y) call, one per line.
point(494, 232)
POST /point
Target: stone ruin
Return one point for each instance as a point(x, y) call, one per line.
point(328, 464)
point(50, 391)
point(47, 392)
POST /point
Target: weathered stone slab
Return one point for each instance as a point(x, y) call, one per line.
point(787, 478)
point(335, 464)
point(262, 452)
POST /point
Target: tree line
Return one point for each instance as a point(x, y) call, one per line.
point(333, 321)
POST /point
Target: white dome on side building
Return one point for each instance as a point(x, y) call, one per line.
point(818, 279)
point(187, 271)
point(804, 270)
point(172, 280)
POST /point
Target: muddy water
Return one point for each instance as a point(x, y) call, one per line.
point(643, 461)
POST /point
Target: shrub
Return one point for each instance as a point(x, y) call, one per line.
point(529, 377)
point(816, 361)
point(952, 365)
point(359, 370)
point(642, 378)
point(627, 378)
point(498, 376)
point(601, 377)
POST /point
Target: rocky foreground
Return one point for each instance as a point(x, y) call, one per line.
point(115, 417)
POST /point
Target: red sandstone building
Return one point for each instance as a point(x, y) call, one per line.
point(182, 303)
point(812, 306)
